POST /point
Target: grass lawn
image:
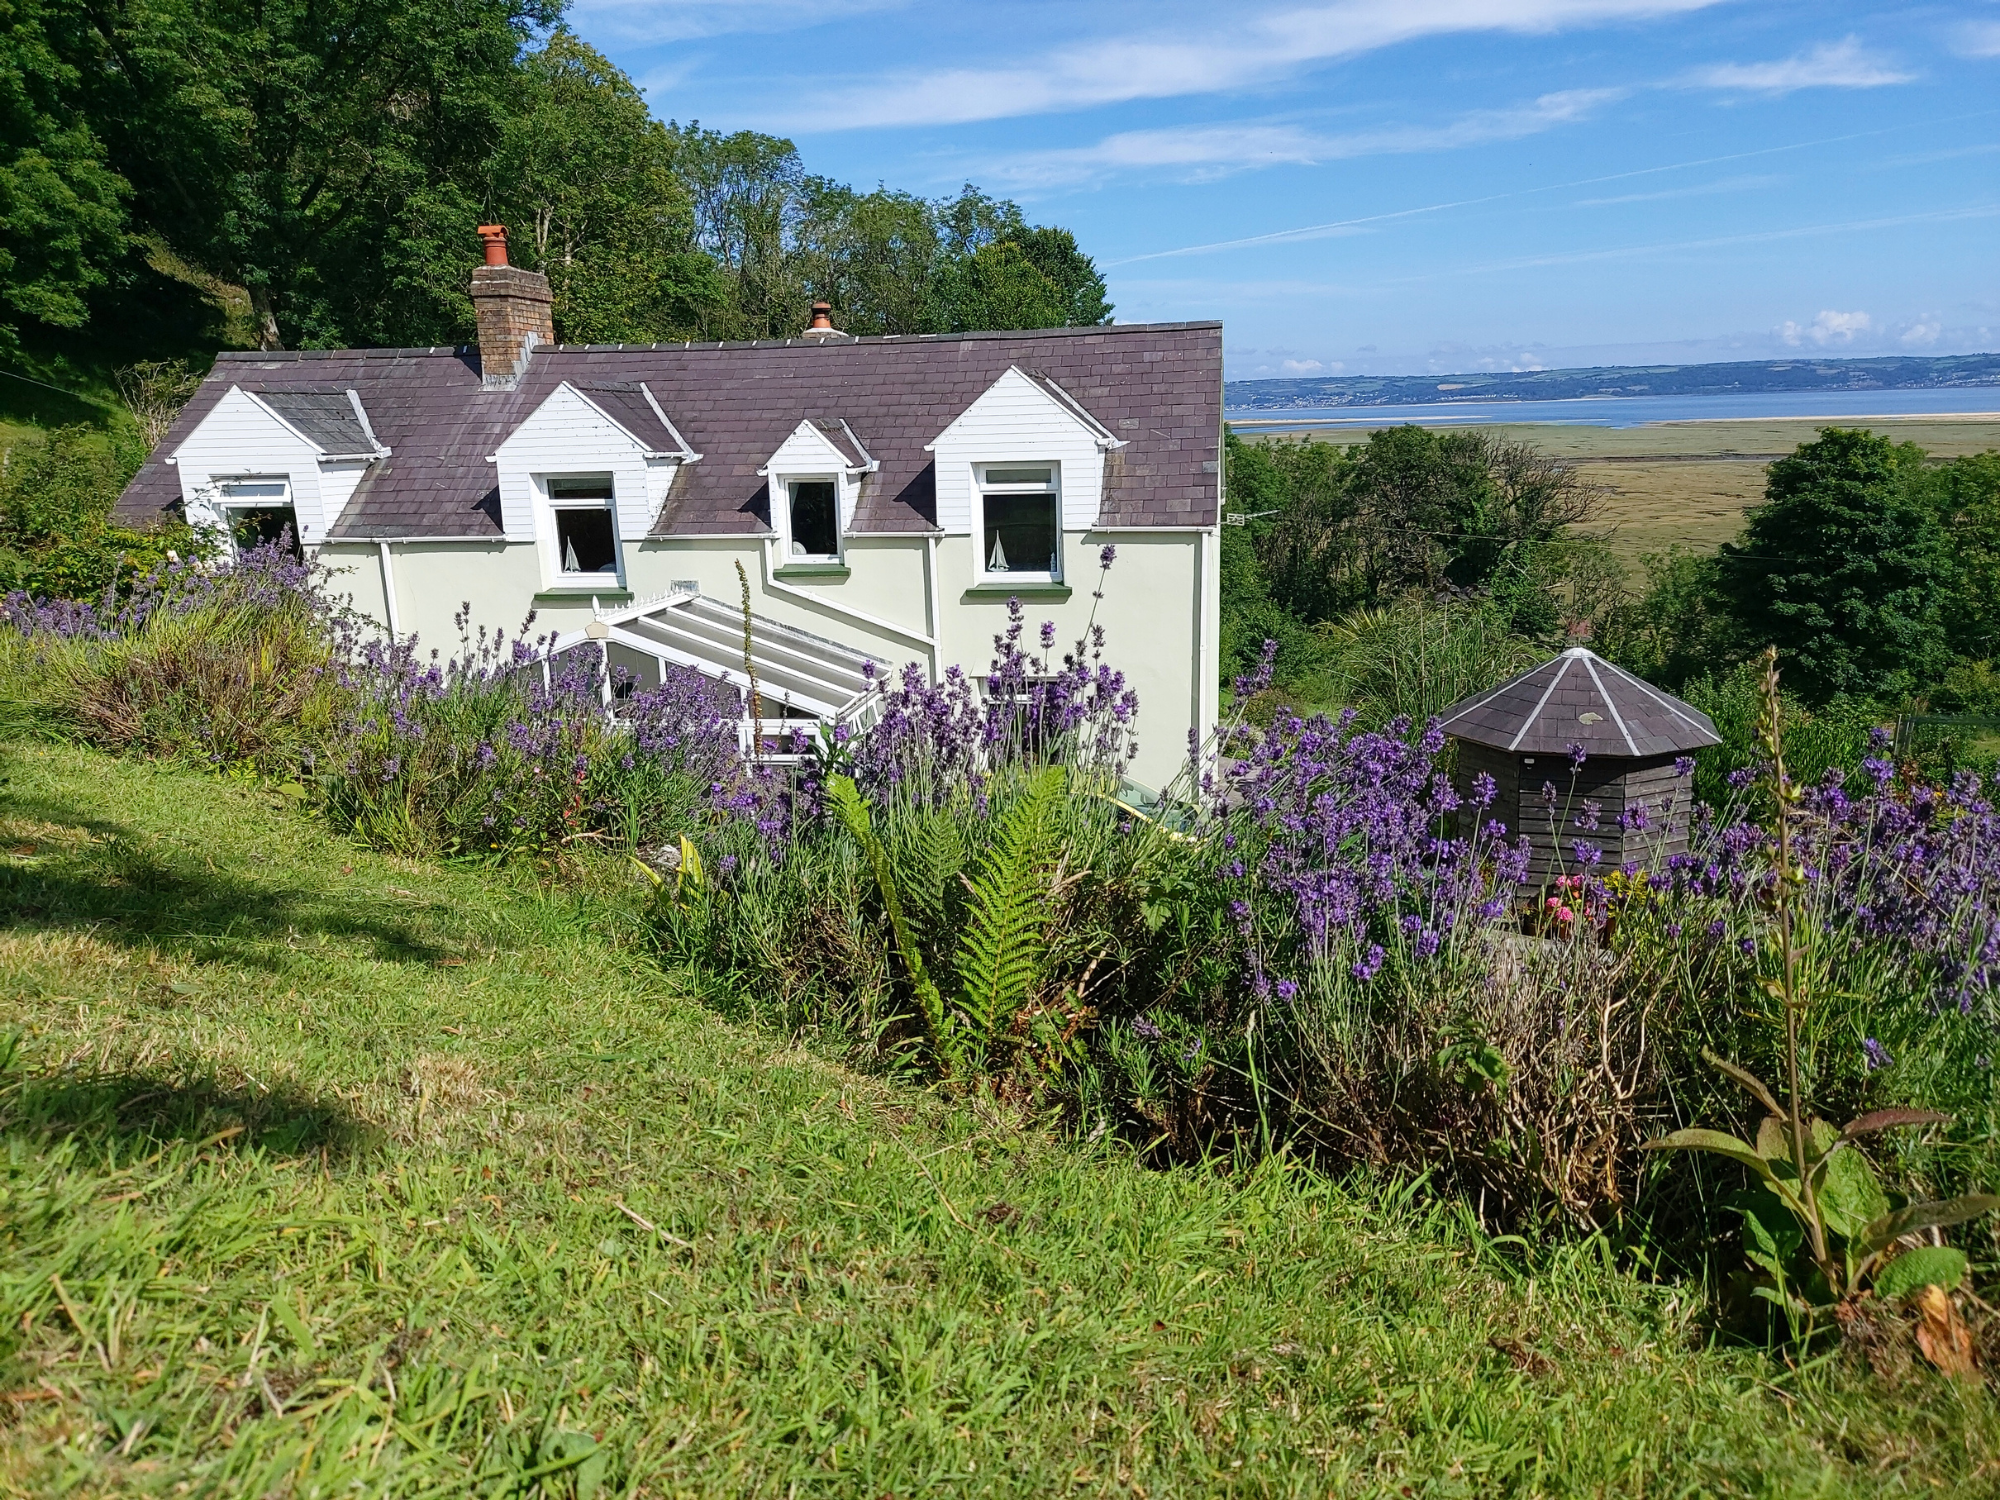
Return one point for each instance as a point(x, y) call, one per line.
point(329, 1174)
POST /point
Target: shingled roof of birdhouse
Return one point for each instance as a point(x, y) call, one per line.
point(1579, 698)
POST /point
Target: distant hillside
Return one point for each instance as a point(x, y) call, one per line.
point(1891, 374)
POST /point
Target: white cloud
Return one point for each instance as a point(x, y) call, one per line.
point(1302, 367)
point(683, 20)
point(1208, 151)
point(1831, 65)
point(1921, 335)
point(1829, 327)
point(1238, 52)
point(1978, 39)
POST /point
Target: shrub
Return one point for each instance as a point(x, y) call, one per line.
point(503, 750)
point(57, 538)
point(221, 665)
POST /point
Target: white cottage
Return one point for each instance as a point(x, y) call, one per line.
point(886, 496)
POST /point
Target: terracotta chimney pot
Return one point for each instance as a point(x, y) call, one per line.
point(821, 326)
point(494, 237)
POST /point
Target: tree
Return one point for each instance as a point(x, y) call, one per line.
point(1463, 508)
point(322, 154)
point(1964, 494)
point(1844, 568)
point(585, 174)
point(62, 208)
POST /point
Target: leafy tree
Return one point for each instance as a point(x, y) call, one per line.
point(62, 208)
point(1679, 628)
point(1965, 496)
point(585, 174)
point(323, 154)
point(1461, 508)
point(1845, 568)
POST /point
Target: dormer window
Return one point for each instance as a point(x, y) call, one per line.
point(1020, 522)
point(586, 533)
point(814, 519)
point(260, 511)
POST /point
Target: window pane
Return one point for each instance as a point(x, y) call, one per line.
point(255, 525)
point(1020, 476)
point(598, 487)
point(585, 541)
point(255, 489)
point(1020, 534)
point(815, 519)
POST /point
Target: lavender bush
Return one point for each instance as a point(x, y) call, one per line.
point(505, 750)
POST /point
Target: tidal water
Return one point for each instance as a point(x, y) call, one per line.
point(1636, 411)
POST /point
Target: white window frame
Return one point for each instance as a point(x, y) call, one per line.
point(782, 492)
point(981, 488)
point(228, 506)
point(551, 505)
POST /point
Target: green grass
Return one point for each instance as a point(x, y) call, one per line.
point(328, 1173)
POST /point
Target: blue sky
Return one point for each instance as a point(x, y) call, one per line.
point(1403, 186)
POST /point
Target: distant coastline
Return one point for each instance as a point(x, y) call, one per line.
point(1764, 377)
point(1920, 404)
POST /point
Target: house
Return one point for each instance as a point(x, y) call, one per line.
point(1581, 752)
point(885, 497)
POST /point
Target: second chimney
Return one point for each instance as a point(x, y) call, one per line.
point(513, 308)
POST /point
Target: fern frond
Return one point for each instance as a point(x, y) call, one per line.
point(1001, 955)
point(852, 811)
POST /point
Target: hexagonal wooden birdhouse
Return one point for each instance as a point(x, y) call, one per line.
point(1622, 797)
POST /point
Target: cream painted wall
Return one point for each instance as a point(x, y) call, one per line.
point(1158, 611)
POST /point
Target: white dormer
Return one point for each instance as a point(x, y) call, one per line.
point(815, 485)
point(1015, 470)
point(276, 457)
point(588, 470)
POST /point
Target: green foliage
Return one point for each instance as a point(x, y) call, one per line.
point(229, 685)
point(1678, 629)
point(586, 177)
point(1844, 569)
point(57, 539)
point(1842, 1220)
point(1419, 656)
point(852, 810)
point(325, 164)
point(1001, 954)
point(1336, 536)
point(1965, 496)
point(62, 210)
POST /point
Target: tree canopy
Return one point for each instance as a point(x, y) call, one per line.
point(325, 161)
point(1845, 568)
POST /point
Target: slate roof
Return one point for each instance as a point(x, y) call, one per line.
point(325, 417)
point(1158, 387)
point(1579, 698)
point(626, 404)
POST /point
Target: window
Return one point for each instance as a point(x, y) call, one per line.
point(586, 534)
point(815, 518)
point(1020, 525)
point(259, 512)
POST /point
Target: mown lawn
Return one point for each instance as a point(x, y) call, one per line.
point(333, 1174)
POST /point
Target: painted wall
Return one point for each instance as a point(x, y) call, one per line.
point(1158, 610)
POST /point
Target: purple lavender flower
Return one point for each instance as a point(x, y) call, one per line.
point(1876, 1054)
point(1145, 1029)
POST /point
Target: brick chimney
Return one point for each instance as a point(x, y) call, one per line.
point(513, 310)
